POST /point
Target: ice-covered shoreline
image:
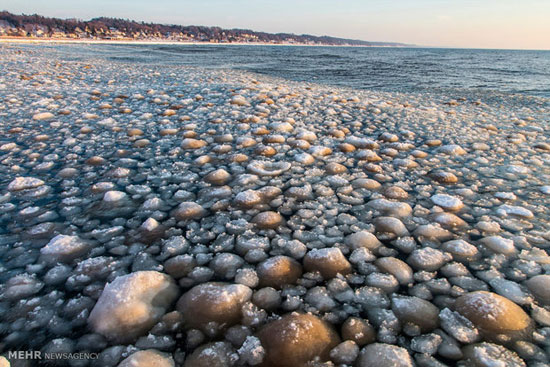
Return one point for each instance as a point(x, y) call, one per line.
point(389, 222)
point(57, 41)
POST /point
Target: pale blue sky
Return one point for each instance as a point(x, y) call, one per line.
point(453, 23)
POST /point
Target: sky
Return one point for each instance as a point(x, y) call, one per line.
point(511, 24)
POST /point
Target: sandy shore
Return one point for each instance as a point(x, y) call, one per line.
point(196, 217)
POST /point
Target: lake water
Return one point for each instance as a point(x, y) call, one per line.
point(388, 69)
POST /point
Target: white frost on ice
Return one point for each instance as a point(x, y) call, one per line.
point(24, 183)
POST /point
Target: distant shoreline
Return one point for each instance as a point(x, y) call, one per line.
point(13, 26)
point(47, 40)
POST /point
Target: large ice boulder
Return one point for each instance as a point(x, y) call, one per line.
point(496, 317)
point(212, 307)
point(131, 304)
point(296, 339)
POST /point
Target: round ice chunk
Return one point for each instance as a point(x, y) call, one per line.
point(64, 248)
point(24, 183)
point(131, 304)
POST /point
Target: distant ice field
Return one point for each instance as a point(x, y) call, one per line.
point(423, 70)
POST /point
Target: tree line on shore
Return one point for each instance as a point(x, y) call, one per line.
point(113, 28)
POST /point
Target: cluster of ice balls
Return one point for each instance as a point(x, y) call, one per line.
point(230, 221)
